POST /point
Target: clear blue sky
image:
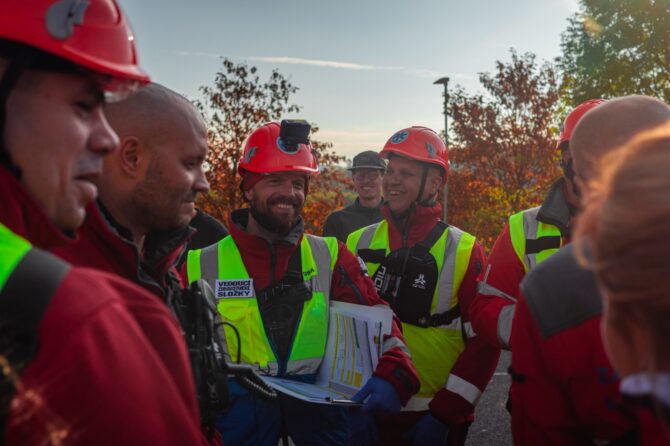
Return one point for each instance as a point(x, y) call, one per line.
point(364, 68)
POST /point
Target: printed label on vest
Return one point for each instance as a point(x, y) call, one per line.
point(234, 288)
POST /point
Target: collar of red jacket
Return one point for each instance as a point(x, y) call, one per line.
point(161, 250)
point(20, 213)
point(420, 220)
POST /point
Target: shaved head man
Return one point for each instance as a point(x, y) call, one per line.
point(609, 126)
point(564, 387)
point(139, 226)
point(152, 181)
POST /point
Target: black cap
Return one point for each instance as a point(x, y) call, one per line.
point(368, 160)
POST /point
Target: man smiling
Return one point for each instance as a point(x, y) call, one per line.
point(274, 283)
point(139, 227)
point(367, 170)
point(426, 270)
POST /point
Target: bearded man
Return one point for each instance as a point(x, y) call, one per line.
point(274, 283)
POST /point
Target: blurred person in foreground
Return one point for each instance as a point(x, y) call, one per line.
point(139, 226)
point(87, 358)
point(631, 263)
point(564, 389)
point(367, 171)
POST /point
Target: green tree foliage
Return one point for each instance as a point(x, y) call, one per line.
point(502, 152)
point(617, 47)
point(238, 103)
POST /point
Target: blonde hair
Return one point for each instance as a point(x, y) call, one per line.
point(626, 218)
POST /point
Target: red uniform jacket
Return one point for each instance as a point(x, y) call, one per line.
point(564, 390)
point(478, 361)
point(267, 263)
point(111, 367)
point(504, 271)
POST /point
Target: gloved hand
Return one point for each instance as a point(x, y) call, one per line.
point(382, 398)
point(428, 431)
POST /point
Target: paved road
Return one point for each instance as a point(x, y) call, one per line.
point(492, 422)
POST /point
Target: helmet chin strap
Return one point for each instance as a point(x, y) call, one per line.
point(10, 77)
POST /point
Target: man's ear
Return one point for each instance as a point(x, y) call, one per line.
point(434, 181)
point(132, 156)
point(248, 194)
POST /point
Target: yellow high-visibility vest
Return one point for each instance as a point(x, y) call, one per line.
point(524, 227)
point(434, 350)
point(222, 267)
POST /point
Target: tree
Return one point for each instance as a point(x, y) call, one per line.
point(237, 104)
point(502, 145)
point(614, 48)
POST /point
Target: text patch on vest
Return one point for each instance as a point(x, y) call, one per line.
point(234, 288)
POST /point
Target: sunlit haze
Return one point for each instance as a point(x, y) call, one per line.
point(364, 68)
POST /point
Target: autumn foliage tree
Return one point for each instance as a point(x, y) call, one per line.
point(502, 152)
point(238, 103)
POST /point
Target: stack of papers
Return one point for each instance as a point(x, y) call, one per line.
point(355, 337)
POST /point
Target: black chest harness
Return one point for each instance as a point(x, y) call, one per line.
point(280, 305)
point(407, 279)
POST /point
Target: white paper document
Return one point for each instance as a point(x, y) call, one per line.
point(355, 337)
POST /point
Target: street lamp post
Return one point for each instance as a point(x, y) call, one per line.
point(445, 81)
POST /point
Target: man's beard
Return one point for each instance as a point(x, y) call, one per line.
point(271, 222)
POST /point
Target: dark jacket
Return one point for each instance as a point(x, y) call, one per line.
point(340, 224)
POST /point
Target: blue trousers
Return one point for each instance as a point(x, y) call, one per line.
point(255, 422)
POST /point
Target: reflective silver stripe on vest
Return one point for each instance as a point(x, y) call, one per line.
point(468, 391)
point(505, 325)
point(209, 264)
point(530, 227)
point(302, 366)
point(366, 237)
point(446, 282)
point(320, 282)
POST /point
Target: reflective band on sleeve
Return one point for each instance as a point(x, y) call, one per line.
point(468, 391)
point(505, 325)
point(417, 404)
point(469, 331)
point(392, 342)
point(485, 288)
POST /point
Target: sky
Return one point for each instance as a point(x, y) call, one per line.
point(364, 69)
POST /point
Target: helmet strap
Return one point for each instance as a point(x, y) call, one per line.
point(15, 68)
point(424, 178)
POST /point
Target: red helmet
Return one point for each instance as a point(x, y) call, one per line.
point(420, 144)
point(267, 152)
point(93, 34)
point(573, 118)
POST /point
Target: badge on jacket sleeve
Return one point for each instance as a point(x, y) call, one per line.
point(234, 288)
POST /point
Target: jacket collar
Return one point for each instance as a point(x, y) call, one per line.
point(413, 229)
point(23, 216)
point(555, 209)
point(161, 251)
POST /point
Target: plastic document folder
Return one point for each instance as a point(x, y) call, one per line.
point(355, 338)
